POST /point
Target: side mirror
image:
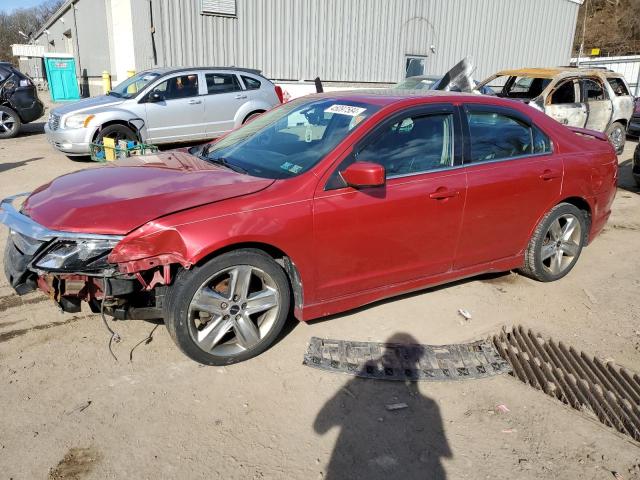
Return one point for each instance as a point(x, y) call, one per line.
point(364, 174)
point(155, 97)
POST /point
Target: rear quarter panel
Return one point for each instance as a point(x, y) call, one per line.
point(591, 173)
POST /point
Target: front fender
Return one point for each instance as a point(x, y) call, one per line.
point(120, 115)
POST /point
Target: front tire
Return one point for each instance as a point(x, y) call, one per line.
point(117, 132)
point(9, 122)
point(617, 136)
point(230, 309)
point(556, 243)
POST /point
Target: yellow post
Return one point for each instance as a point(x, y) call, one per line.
point(106, 82)
point(132, 88)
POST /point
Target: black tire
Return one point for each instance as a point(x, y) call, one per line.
point(542, 240)
point(251, 116)
point(10, 122)
point(178, 317)
point(617, 135)
point(117, 132)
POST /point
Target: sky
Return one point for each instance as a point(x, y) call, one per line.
point(10, 5)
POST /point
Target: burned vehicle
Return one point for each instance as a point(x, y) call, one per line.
point(19, 102)
point(321, 205)
point(596, 99)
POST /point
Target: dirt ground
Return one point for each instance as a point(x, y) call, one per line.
point(70, 411)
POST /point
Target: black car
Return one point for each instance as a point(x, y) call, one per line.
point(634, 123)
point(635, 165)
point(19, 102)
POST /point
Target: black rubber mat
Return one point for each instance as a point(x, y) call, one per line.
point(389, 361)
point(583, 381)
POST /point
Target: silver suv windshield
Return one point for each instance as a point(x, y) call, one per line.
point(131, 86)
point(291, 139)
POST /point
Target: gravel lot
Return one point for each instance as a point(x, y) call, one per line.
point(70, 411)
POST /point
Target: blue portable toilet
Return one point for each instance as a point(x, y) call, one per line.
point(61, 75)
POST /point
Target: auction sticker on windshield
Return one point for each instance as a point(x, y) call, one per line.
point(345, 110)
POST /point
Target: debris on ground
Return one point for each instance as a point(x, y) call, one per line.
point(590, 296)
point(80, 408)
point(396, 406)
point(502, 408)
point(465, 314)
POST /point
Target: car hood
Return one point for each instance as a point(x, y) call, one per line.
point(88, 105)
point(122, 196)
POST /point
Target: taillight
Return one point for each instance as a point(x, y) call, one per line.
point(280, 93)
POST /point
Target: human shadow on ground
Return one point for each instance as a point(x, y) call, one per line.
point(378, 443)
point(10, 165)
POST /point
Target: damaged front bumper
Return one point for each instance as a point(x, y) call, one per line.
point(71, 267)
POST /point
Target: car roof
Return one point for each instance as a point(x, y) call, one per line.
point(553, 72)
point(167, 70)
point(388, 96)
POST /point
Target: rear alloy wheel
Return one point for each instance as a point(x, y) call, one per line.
point(230, 309)
point(556, 243)
point(9, 123)
point(617, 136)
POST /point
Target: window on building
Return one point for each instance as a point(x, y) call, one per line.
point(222, 83)
point(415, 65)
point(495, 136)
point(593, 90)
point(218, 7)
point(251, 83)
point(618, 86)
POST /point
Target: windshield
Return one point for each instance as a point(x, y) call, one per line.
point(291, 139)
point(131, 86)
point(416, 83)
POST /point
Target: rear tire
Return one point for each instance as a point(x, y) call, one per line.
point(229, 309)
point(556, 243)
point(9, 122)
point(617, 136)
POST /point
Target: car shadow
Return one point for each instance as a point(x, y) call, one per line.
point(35, 128)
point(499, 278)
point(625, 177)
point(11, 165)
point(388, 429)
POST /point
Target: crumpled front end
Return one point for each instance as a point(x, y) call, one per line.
point(74, 267)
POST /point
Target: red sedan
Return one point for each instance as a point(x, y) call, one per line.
point(324, 204)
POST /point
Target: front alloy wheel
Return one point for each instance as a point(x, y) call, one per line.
point(230, 309)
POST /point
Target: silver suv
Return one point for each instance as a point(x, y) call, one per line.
point(164, 106)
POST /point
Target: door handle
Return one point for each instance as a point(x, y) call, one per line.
point(195, 102)
point(549, 175)
point(443, 193)
point(241, 96)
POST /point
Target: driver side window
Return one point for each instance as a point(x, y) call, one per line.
point(412, 145)
point(183, 86)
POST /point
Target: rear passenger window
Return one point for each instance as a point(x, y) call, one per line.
point(495, 136)
point(618, 86)
point(593, 90)
point(222, 83)
point(251, 83)
point(541, 143)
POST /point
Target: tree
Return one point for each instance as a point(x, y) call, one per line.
point(25, 20)
point(613, 26)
